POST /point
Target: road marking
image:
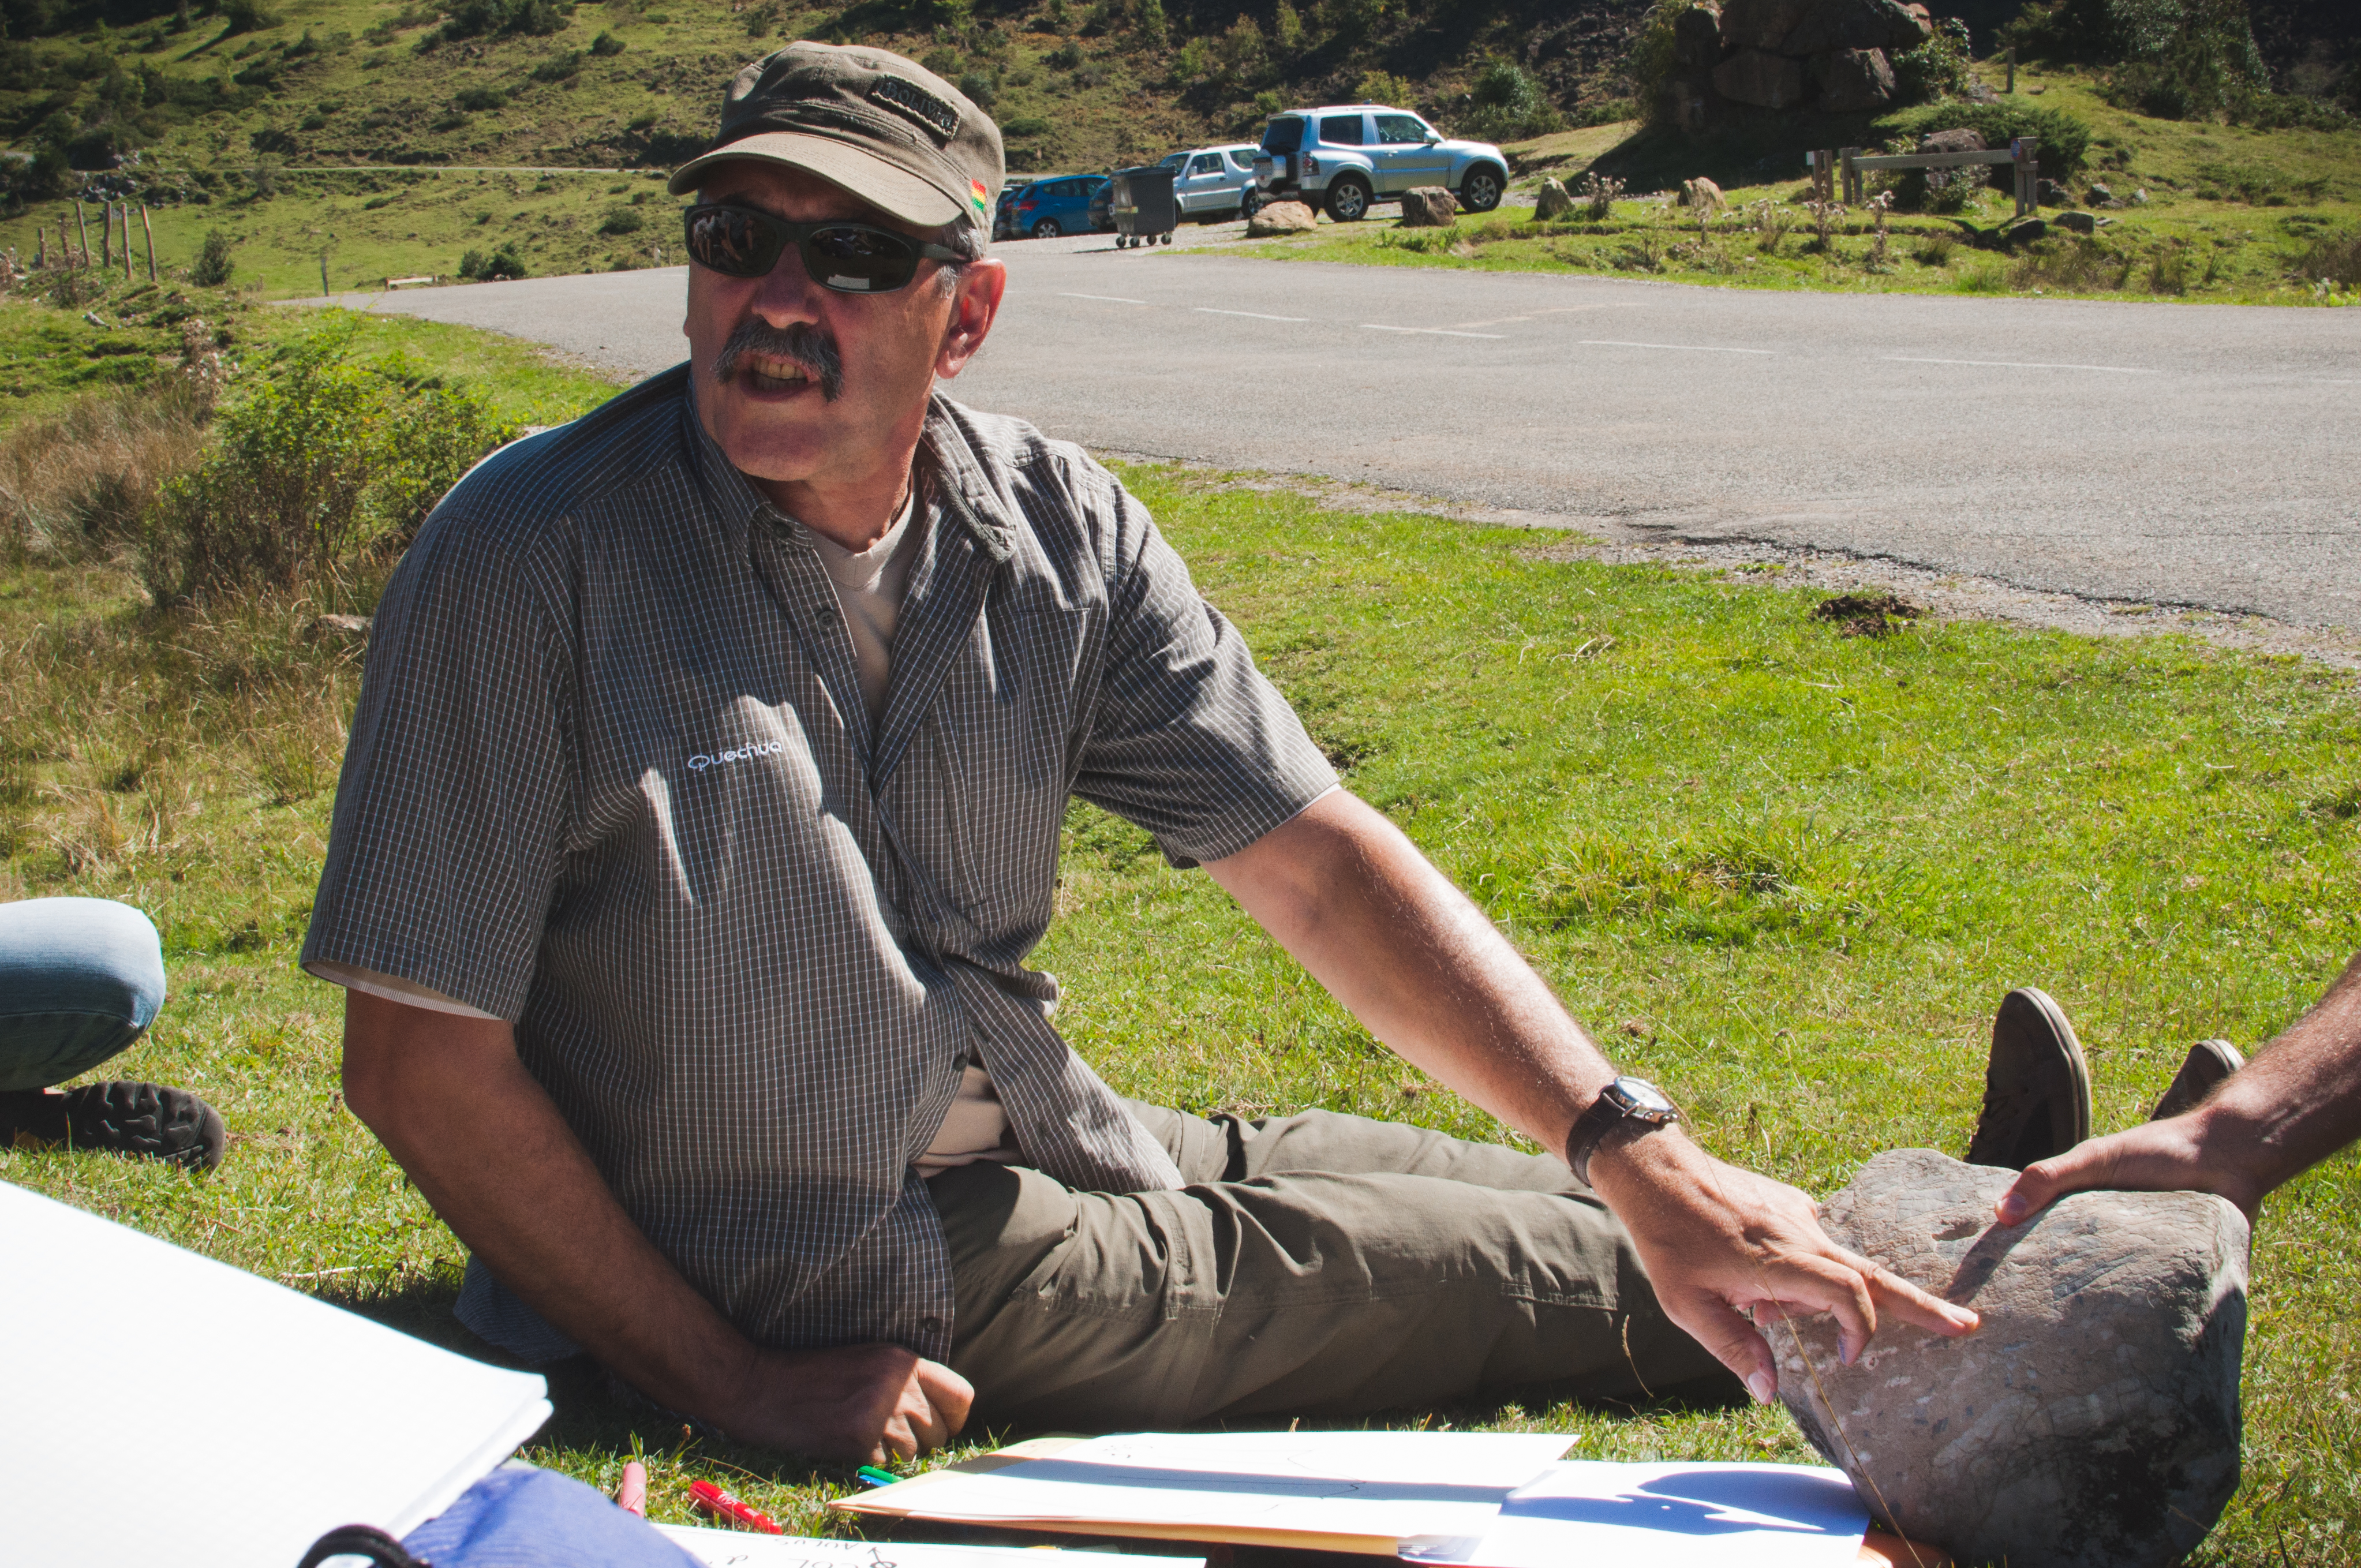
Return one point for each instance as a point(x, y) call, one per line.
point(1252, 316)
point(1103, 299)
point(2018, 365)
point(1555, 311)
point(1434, 331)
point(1686, 347)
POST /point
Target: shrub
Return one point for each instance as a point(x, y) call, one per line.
point(1936, 69)
point(325, 467)
point(2207, 61)
point(1028, 126)
point(1506, 104)
point(480, 100)
point(623, 220)
point(248, 15)
point(2331, 259)
point(1067, 56)
point(979, 89)
point(2065, 136)
point(606, 46)
point(488, 266)
point(1384, 87)
point(212, 268)
point(558, 66)
point(1654, 54)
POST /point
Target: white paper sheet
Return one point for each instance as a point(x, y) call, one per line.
point(155, 1405)
point(1332, 1482)
point(1667, 1515)
point(743, 1549)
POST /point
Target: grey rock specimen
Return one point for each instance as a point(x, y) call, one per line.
point(1960, 140)
point(1427, 206)
point(1553, 202)
point(2092, 1422)
point(1853, 79)
point(1280, 217)
point(1765, 80)
point(2076, 223)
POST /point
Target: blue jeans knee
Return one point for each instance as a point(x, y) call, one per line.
point(80, 979)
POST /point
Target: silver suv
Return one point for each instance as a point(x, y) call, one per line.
point(1357, 154)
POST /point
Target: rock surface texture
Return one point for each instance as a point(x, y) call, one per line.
point(1552, 201)
point(1836, 55)
point(1427, 206)
point(1281, 217)
point(2092, 1422)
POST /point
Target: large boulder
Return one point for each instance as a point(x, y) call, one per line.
point(1757, 77)
point(1801, 27)
point(1960, 140)
point(1830, 25)
point(1760, 24)
point(1697, 41)
point(2092, 1422)
point(1279, 218)
point(1853, 79)
point(1552, 201)
point(1428, 207)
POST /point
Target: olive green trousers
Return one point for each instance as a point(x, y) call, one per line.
point(1317, 1265)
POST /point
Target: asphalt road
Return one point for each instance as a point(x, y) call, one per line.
point(2179, 454)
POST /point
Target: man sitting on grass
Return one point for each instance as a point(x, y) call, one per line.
point(703, 804)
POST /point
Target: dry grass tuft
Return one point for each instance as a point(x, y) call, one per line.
point(77, 483)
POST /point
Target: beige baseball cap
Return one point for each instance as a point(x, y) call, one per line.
point(883, 127)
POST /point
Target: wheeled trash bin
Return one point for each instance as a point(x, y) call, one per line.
point(1143, 207)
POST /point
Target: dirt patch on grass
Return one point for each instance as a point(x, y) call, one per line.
point(1866, 615)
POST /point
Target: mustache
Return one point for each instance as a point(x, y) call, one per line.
point(812, 351)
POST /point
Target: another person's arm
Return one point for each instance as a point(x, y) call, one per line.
point(1344, 891)
point(450, 1099)
point(2295, 1104)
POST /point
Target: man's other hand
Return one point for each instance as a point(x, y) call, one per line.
point(2155, 1157)
point(867, 1403)
point(1727, 1249)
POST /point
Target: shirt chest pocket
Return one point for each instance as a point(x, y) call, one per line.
point(978, 797)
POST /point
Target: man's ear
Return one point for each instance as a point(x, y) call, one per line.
point(975, 304)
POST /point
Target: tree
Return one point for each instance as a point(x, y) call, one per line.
point(212, 268)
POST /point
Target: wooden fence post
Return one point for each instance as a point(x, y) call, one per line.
point(2022, 152)
point(150, 230)
point(65, 241)
point(1854, 184)
point(2012, 68)
point(82, 226)
point(127, 242)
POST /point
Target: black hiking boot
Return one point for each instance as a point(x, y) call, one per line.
point(2210, 1062)
point(2037, 1085)
point(149, 1119)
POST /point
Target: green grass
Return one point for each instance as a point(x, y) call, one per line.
point(1785, 872)
point(2232, 213)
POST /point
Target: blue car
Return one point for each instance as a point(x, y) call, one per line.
point(1048, 208)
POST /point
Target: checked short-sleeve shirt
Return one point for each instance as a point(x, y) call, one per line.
point(612, 779)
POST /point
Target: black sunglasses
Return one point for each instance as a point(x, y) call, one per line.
point(850, 257)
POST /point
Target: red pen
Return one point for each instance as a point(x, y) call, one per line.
point(713, 1500)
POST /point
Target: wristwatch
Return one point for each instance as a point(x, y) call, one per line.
point(1633, 1100)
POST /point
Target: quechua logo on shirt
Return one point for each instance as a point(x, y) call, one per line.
point(701, 761)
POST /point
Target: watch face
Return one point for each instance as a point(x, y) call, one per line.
point(1644, 1097)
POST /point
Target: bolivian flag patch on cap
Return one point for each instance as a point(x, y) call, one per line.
point(976, 194)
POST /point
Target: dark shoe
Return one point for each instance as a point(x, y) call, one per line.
point(2210, 1062)
point(2037, 1085)
point(145, 1119)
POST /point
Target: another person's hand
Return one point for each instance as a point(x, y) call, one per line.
point(1727, 1249)
point(864, 1403)
point(2155, 1157)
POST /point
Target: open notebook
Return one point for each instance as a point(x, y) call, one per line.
point(157, 1406)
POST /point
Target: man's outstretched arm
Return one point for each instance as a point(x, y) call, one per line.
point(1344, 891)
point(2295, 1104)
point(447, 1095)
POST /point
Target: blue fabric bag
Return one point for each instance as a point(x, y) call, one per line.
point(516, 1516)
